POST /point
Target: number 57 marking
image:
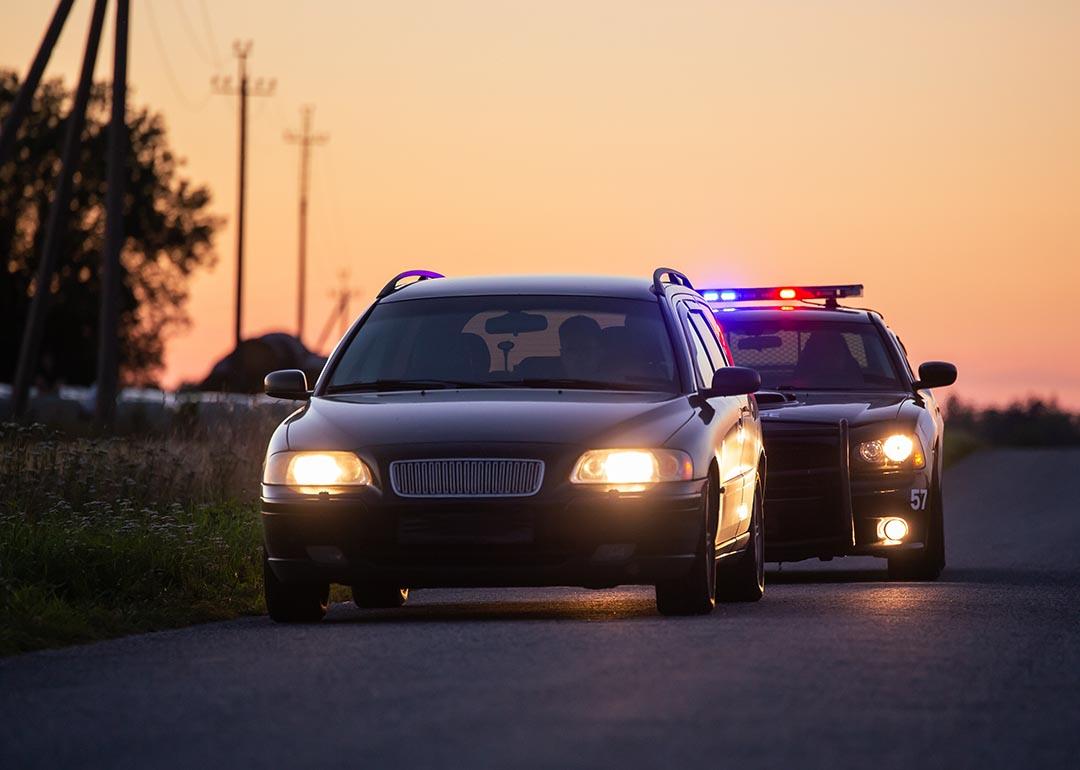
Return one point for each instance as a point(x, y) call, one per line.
point(918, 499)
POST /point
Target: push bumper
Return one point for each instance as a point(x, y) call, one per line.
point(580, 537)
point(818, 505)
point(802, 525)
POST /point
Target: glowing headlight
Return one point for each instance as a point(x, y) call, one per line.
point(315, 471)
point(632, 466)
point(894, 449)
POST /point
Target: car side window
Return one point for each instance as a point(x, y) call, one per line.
point(702, 363)
point(902, 353)
point(703, 324)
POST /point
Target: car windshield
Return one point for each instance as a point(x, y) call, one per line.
point(509, 341)
point(797, 354)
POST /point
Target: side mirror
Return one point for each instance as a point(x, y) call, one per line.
point(287, 383)
point(733, 381)
point(936, 374)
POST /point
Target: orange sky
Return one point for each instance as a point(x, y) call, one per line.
point(930, 150)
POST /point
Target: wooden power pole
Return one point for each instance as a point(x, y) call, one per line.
point(242, 89)
point(306, 140)
point(56, 224)
point(108, 363)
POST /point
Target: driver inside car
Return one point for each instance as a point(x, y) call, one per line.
point(579, 347)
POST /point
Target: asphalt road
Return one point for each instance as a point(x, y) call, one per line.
point(834, 668)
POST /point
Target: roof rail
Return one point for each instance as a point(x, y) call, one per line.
point(676, 278)
point(419, 275)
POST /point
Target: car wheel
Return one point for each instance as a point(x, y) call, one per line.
point(927, 563)
point(304, 603)
point(741, 578)
point(371, 597)
point(695, 592)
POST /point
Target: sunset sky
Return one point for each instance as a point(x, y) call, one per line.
point(930, 150)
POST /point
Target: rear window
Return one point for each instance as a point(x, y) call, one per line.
point(795, 354)
point(528, 341)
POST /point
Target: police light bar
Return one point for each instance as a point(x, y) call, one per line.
point(782, 293)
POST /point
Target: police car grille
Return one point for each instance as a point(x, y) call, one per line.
point(466, 477)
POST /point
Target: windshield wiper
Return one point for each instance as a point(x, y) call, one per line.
point(391, 385)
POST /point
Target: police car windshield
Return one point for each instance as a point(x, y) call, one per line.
point(797, 354)
point(563, 342)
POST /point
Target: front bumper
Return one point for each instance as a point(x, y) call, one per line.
point(799, 526)
point(572, 536)
point(817, 505)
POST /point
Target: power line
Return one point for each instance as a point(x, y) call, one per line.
point(210, 34)
point(189, 30)
point(166, 65)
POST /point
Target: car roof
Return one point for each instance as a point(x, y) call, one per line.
point(802, 312)
point(569, 285)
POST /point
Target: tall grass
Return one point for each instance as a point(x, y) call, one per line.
point(103, 536)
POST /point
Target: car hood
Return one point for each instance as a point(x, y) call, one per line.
point(831, 407)
point(488, 416)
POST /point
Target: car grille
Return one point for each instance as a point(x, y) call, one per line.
point(807, 493)
point(466, 477)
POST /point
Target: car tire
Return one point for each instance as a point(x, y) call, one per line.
point(926, 564)
point(375, 597)
point(695, 592)
point(741, 578)
point(302, 603)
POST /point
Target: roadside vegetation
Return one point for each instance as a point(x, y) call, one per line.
point(1031, 423)
point(108, 535)
point(112, 535)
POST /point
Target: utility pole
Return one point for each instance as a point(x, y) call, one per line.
point(108, 363)
point(242, 89)
point(340, 313)
point(306, 140)
point(21, 106)
point(56, 225)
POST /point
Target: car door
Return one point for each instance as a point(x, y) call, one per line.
point(730, 414)
point(750, 436)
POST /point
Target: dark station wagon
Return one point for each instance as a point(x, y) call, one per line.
point(519, 431)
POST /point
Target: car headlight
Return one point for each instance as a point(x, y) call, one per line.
point(893, 450)
point(316, 471)
point(632, 466)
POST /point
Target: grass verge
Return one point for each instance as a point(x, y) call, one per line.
point(106, 536)
point(68, 577)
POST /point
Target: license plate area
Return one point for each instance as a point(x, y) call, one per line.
point(465, 528)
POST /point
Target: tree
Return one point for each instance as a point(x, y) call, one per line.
point(168, 235)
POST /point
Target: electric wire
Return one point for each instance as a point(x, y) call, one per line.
point(166, 65)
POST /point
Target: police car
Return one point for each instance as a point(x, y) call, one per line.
point(852, 434)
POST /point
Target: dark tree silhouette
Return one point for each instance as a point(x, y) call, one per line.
point(1033, 422)
point(168, 231)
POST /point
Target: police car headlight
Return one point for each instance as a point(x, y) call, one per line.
point(893, 450)
point(632, 466)
point(315, 472)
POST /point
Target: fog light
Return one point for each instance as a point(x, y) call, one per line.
point(893, 529)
